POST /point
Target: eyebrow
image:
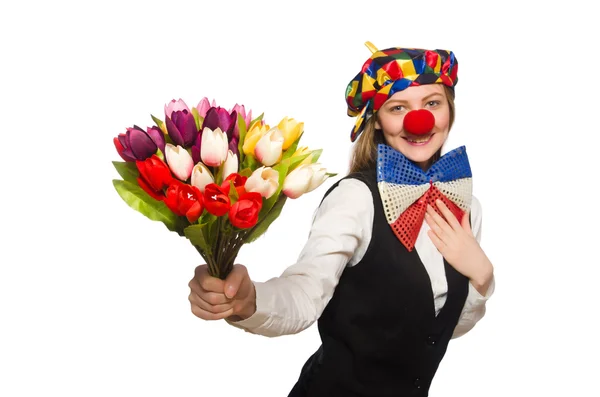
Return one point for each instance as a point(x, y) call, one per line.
point(424, 99)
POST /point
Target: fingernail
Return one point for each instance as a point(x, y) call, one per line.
point(229, 293)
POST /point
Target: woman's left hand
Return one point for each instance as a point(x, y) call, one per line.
point(458, 246)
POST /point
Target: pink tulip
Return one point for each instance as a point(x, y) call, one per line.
point(179, 160)
point(201, 176)
point(203, 106)
point(175, 106)
point(268, 150)
point(214, 147)
point(303, 179)
point(264, 180)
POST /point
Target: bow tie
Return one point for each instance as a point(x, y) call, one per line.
point(406, 189)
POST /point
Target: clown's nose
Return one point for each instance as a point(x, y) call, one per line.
point(419, 122)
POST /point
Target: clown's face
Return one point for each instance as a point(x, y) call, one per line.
point(418, 148)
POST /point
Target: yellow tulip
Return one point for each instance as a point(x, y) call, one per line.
point(291, 130)
point(301, 151)
point(253, 136)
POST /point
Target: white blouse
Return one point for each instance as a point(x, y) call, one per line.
point(339, 237)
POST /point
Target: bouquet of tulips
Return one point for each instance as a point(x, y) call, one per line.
point(216, 176)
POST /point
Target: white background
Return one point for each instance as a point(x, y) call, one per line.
point(93, 296)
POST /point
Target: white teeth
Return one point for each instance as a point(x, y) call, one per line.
point(420, 141)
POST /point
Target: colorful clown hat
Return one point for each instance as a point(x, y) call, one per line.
point(395, 69)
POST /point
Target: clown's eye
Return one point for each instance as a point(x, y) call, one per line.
point(433, 103)
point(397, 108)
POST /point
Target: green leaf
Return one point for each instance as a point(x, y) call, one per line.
point(196, 117)
point(315, 155)
point(242, 128)
point(159, 122)
point(153, 209)
point(195, 233)
point(294, 161)
point(245, 172)
point(251, 162)
point(233, 194)
point(160, 154)
point(265, 222)
point(128, 170)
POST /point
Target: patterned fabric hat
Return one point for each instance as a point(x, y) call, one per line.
point(395, 69)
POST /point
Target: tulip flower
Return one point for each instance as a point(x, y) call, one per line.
point(244, 213)
point(239, 183)
point(303, 179)
point(180, 123)
point(253, 135)
point(184, 200)
point(241, 110)
point(214, 148)
point(216, 200)
point(201, 176)
point(154, 176)
point(217, 117)
point(301, 151)
point(137, 144)
point(268, 149)
point(231, 164)
point(203, 106)
point(264, 180)
point(179, 160)
point(291, 130)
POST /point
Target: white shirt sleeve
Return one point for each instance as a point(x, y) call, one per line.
point(293, 301)
point(474, 308)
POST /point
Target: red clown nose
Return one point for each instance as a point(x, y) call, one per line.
point(419, 122)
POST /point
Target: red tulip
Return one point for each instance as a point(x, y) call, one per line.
point(154, 176)
point(238, 183)
point(216, 200)
point(184, 199)
point(244, 213)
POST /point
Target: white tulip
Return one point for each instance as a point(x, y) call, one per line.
point(303, 179)
point(264, 180)
point(201, 176)
point(231, 164)
point(269, 148)
point(214, 147)
point(179, 160)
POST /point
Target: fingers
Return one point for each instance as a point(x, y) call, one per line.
point(206, 281)
point(437, 223)
point(466, 224)
point(439, 244)
point(450, 218)
point(206, 315)
point(234, 280)
point(205, 303)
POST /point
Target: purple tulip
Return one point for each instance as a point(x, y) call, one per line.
point(137, 144)
point(180, 123)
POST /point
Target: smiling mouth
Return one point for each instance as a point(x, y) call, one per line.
point(419, 141)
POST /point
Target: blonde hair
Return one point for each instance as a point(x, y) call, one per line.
point(364, 153)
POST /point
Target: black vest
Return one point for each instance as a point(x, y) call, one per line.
point(380, 336)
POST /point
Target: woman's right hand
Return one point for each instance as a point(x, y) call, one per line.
point(213, 299)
